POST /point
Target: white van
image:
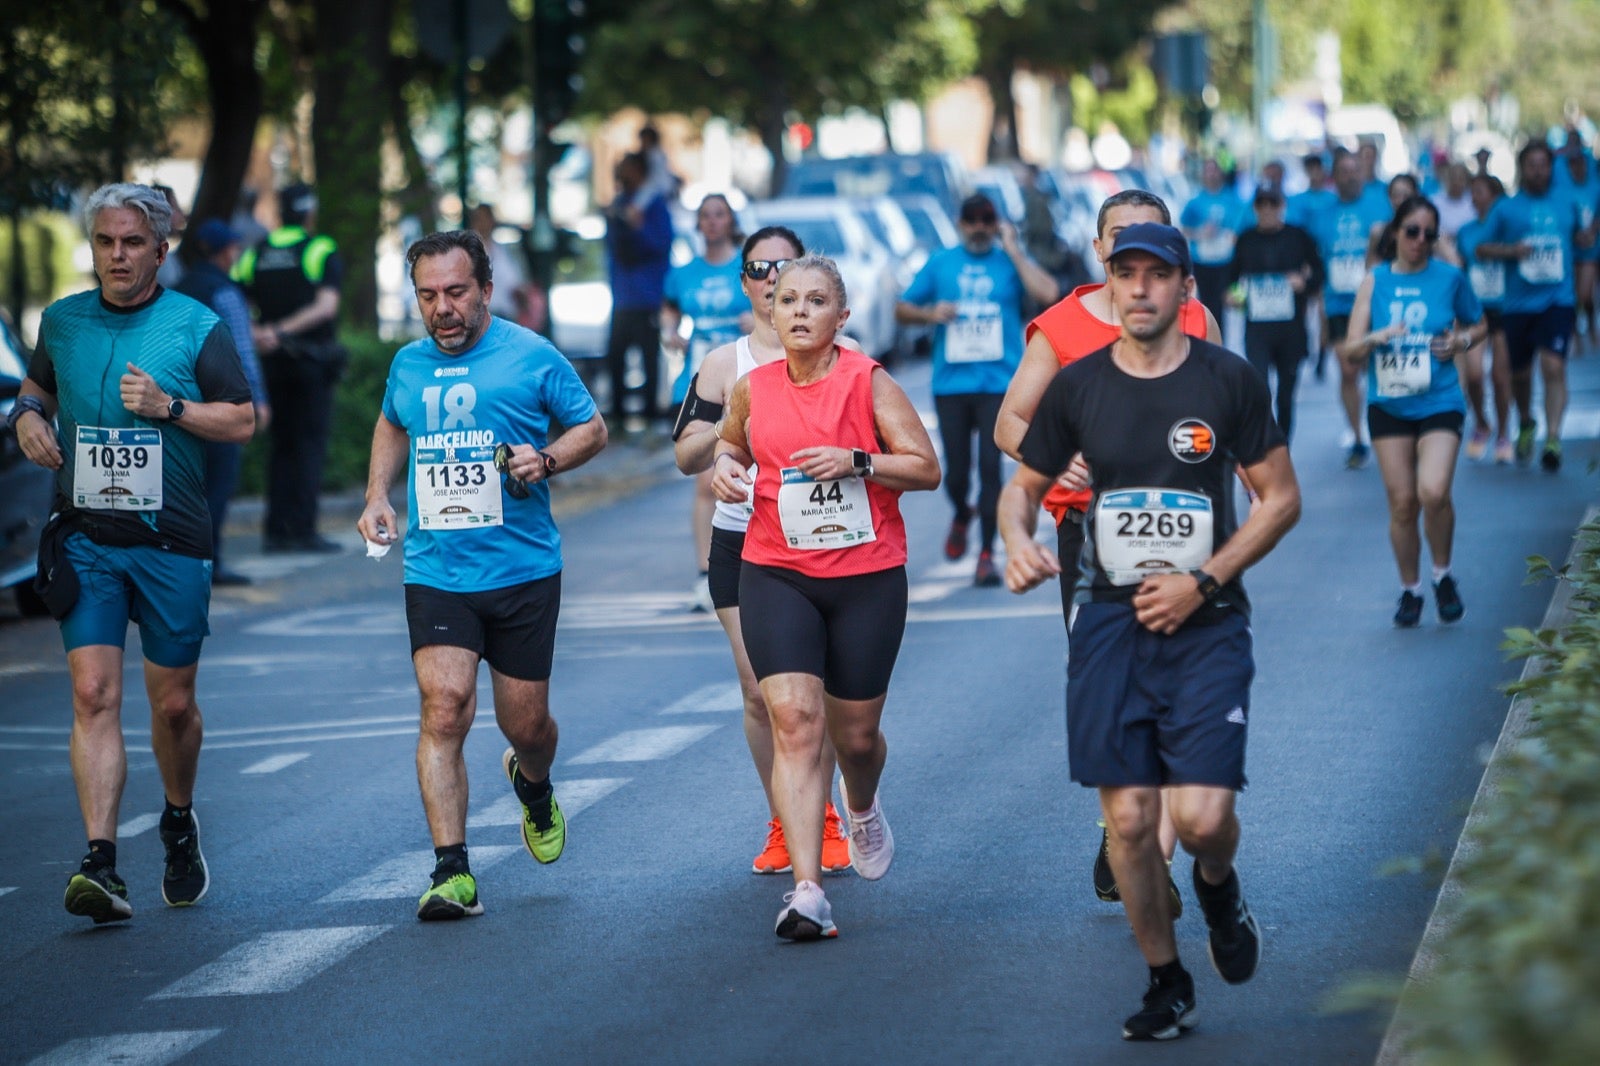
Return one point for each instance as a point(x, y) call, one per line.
point(1354, 123)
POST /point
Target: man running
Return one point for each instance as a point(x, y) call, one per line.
point(141, 379)
point(1159, 692)
point(467, 413)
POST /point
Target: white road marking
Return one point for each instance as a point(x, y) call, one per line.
point(724, 696)
point(933, 591)
point(573, 796)
point(273, 763)
point(1039, 607)
point(128, 1049)
point(134, 826)
point(272, 962)
point(406, 876)
point(3, 891)
point(643, 745)
point(405, 731)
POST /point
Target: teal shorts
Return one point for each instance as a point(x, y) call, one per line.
point(167, 595)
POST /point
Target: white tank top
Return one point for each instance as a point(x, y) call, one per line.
point(730, 516)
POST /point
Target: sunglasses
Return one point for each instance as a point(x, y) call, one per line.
point(1413, 232)
point(515, 487)
point(985, 218)
point(758, 269)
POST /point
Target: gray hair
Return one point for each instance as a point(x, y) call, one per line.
point(149, 202)
point(821, 263)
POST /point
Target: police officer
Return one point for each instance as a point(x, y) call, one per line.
point(293, 277)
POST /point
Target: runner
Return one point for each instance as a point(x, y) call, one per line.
point(1488, 278)
point(1584, 185)
point(1413, 316)
point(467, 413)
point(765, 253)
point(1159, 690)
point(1212, 221)
point(973, 296)
point(707, 290)
point(1082, 323)
point(1538, 230)
point(141, 380)
point(823, 590)
point(1343, 231)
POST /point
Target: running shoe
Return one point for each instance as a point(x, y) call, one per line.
point(1524, 446)
point(871, 843)
point(1550, 458)
point(1105, 882)
point(186, 878)
point(1503, 453)
point(1168, 1012)
point(700, 596)
point(774, 857)
point(1409, 613)
point(1447, 599)
point(955, 542)
point(96, 891)
point(806, 914)
point(835, 849)
point(1478, 444)
point(544, 829)
point(986, 577)
point(454, 894)
point(1235, 940)
point(1358, 456)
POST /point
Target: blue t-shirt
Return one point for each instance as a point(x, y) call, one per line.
point(1342, 231)
point(712, 297)
point(1542, 279)
point(1304, 207)
point(1222, 209)
point(456, 408)
point(1488, 276)
point(980, 350)
point(1403, 377)
point(1587, 197)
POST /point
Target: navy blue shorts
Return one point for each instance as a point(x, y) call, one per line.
point(1542, 331)
point(1145, 709)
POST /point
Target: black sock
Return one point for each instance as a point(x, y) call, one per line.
point(1168, 975)
point(1210, 893)
point(531, 792)
point(452, 857)
point(102, 853)
point(175, 817)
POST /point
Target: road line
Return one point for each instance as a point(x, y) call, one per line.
point(720, 697)
point(134, 826)
point(3, 891)
point(643, 745)
point(406, 876)
point(573, 796)
point(342, 723)
point(272, 764)
point(360, 734)
point(273, 962)
point(128, 1049)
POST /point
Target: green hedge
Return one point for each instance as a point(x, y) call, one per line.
point(356, 405)
point(1518, 976)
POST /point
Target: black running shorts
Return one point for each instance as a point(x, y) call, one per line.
point(1381, 423)
point(723, 566)
point(512, 629)
point(845, 630)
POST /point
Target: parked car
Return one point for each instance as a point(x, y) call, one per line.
point(937, 174)
point(830, 226)
point(930, 223)
point(26, 490)
point(999, 183)
point(886, 220)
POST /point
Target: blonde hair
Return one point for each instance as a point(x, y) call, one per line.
point(823, 265)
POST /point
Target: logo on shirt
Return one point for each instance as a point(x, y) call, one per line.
point(451, 371)
point(1191, 440)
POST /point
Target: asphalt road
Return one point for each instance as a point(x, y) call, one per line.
point(650, 940)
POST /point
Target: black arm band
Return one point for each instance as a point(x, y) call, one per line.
point(695, 409)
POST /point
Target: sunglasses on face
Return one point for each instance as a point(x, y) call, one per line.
point(758, 269)
point(516, 488)
point(981, 218)
point(1413, 232)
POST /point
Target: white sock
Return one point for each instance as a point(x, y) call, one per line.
point(1415, 590)
point(1440, 573)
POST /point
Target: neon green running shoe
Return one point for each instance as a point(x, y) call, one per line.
point(544, 828)
point(453, 895)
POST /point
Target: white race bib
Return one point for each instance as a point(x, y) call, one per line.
point(1269, 298)
point(457, 488)
point(974, 335)
point(1405, 368)
point(1346, 271)
point(1140, 532)
point(824, 514)
point(1488, 280)
point(117, 469)
point(1543, 265)
point(1217, 248)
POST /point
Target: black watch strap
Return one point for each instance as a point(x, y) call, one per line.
point(22, 406)
point(549, 463)
point(861, 462)
point(1210, 587)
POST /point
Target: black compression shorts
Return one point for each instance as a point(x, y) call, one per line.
point(512, 629)
point(845, 630)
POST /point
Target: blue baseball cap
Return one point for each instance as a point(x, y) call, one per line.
point(213, 235)
point(1164, 242)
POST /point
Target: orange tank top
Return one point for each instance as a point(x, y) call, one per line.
point(819, 528)
point(1074, 332)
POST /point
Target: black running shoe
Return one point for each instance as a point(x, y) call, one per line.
point(96, 891)
point(1447, 598)
point(1167, 1012)
point(1409, 613)
point(1235, 938)
point(187, 878)
point(1105, 882)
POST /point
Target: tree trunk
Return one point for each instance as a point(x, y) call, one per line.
point(418, 197)
point(1003, 129)
point(226, 39)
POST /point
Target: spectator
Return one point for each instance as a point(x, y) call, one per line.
point(638, 242)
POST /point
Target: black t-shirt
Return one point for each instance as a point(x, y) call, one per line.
point(1162, 452)
point(1287, 250)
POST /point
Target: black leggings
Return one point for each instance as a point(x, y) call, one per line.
point(634, 329)
point(960, 416)
point(845, 630)
point(1282, 350)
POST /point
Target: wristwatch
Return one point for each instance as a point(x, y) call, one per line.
point(22, 406)
point(1210, 587)
point(549, 464)
point(861, 462)
point(174, 409)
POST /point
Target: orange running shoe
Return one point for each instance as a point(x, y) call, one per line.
point(774, 857)
point(835, 848)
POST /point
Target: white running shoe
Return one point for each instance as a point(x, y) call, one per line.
point(700, 596)
point(871, 843)
point(806, 914)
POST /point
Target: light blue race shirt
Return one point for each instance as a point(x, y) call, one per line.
point(1403, 376)
point(980, 350)
point(711, 295)
point(1342, 231)
point(1543, 278)
point(1225, 214)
